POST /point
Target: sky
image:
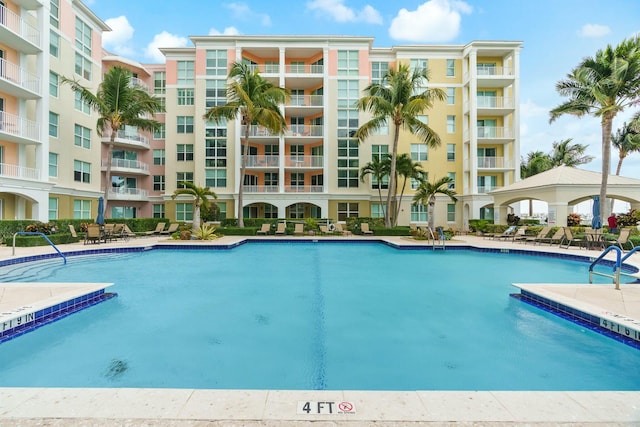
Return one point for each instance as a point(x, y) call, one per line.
point(556, 36)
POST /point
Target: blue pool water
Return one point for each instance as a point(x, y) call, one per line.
point(315, 316)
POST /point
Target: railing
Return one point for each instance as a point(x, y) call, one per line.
point(137, 82)
point(261, 188)
point(304, 189)
point(126, 164)
point(31, 233)
point(132, 192)
point(16, 125)
point(19, 26)
point(304, 69)
point(616, 267)
point(18, 75)
point(134, 138)
point(492, 162)
point(494, 102)
point(494, 132)
point(294, 161)
point(306, 101)
point(493, 70)
point(305, 130)
point(255, 130)
point(21, 172)
point(265, 68)
point(487, 188)
point(263, 161)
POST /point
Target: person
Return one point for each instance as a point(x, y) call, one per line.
point(613, 224)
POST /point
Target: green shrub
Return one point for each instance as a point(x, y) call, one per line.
point(479, 224)
point(237, 231)
point(24, 241)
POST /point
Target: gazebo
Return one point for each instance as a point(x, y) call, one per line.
point(562, 188)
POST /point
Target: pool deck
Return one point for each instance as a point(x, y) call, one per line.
point(189, 407)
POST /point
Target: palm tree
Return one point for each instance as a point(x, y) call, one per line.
point(408, 169)
point(200, 195)
point(119, 103)
point(378, 169)
point(602, 86)
point(627, 140)
point(399, 99)
point(426, 195)
point(535, 163)
point(254, 101)
point(567, 154)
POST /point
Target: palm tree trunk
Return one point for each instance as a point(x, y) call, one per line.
point(196, 217)
point(404, 185)
point(618, 169)
point(431, 211)
point(607, 121)
point(531, 207)
point(392, 177)
point(107, 177)
point(380, 193)
point(243, 168)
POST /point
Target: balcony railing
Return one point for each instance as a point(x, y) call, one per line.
point(20, 172)
point(495, 102)
point(493, 162)
point(139, 83)
point(19, 26)
point(19, 76)
point(487, 188)
point(135, 139)
point(304, 69)
point(294, 161)
point(265, 68)
point(304, 189)
point(263, 161)
point(493, 70)
point(128, 193)
point(126, 164)
point(17, 126)
point(305, 130)
point(494, 132)
point(306, 101)
point(255, 130)
point(261, 188)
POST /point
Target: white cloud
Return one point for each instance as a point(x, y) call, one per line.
point(228, 31)
point(432, 21)
point(164, 39)
point(119, 40)
point(339, 12)
point(244, 12)
point(594, 30)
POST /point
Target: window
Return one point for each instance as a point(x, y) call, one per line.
point(160, 132)
point(378, 71)
point(423, 119)
point(418, 152)
point(81, 209)
point(347, 210)
point(451, 124)
point(216, 63)
point(377, 210)
point(158, 210)
point(53, 208)
point(158, 157)
point(348, 93)
point(297, 179)
point(54, 119)
point(216, 178)
point(83, 37)
point(347, 122)
point(271, 67)
point(53, 165)
point(348, 61)
point(384, 129)
point(183, 177)
point(418, 213)
point(487, 157)
point(159, 82)
point(81, 136)
point(215, 93)
point(415, 183)
point(486, 69)
point(451, 212)
point(185, 96)
point(271, 179)
point(452, 185)
point(185, 152)
point(54, 13)
point(419, 64)
point(186, 73)
point(158, 183)
point(487, 183)
point(54, 83)
point(451, 67)
point(81, 171)
point(184, 211)
point(451, 152)
point(487, 98)
point(451, 95)
point(185, 124)
point(348, 165)
point(122, 184)
point(222, 210)
point(123, 212)
point(379, 151)
point(297, 67)
point(296, 211)
point(487, 128)
point(79, 103)
point(54, 44)
point(83, 66)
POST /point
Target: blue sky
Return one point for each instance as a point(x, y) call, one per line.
point(556, 35)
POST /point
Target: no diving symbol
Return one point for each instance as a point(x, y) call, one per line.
point(345, 406)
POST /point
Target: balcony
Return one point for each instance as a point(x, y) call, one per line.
point(300, 162)
point(261, 188)
point(486, 188)
point(301, 69)
point(263, 161)
point(127, 194)
point(304, 131)
point(493, 105)
point(494, 76)
point(17, 81)
point(136, 82)
point(18, 33)
point(126, 166)
point(16, 129)
point(265, 68)
point(257, 131)
point(304, 189)
point(19, 172)
point(305, 105)
point(494, 134)
point(124, 139)
point(493, 163)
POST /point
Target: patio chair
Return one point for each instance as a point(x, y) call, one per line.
point(520, 235)
point(266, 227)
point(72, 230)
point(159, 228)
point(541, 235)
point(556, 238)
point(127, 233)
point(282, 228)
point(342, 230)
point(623, 239)
point(298, 229)
point(364, 227)
point(94, 234)
point(568, 239)
point(173, 227)
point(324, 229)
point(507, 234)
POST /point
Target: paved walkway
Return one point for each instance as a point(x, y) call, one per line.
point(187, 407)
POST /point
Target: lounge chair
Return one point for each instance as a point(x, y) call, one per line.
point(159, 228)
point(282, 228)
point(298, 229)
point(324, 229)
point(568, 239)
point(521, 234)
point(173, 227)
point(342, 230)
point(622, 239)
point(364, 227)
point(94, 234)
point(72, 230)
point(126, 232)
point(556, 238)
point(266, 227)
point(541, 235)
point(507, 234)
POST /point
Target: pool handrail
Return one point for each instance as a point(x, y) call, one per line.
point(31, 233)
point(616, 267)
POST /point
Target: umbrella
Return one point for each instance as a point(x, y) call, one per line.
point(100, 218)
point(596, 221)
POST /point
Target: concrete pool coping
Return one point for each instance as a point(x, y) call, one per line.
point(75, 406)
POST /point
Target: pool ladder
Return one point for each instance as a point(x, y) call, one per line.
point(617, 267)
point(438, 243)
point(32, 233)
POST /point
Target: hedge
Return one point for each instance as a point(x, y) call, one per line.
point(36, 240)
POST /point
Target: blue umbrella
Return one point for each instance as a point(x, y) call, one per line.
point(596, 221)
point(100, 218)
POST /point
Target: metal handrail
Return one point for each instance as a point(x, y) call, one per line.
point(616, 267)
point(31, 233)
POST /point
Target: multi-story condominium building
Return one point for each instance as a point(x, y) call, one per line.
point(53, 160)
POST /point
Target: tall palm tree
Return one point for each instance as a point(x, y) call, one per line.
point(200, 196)
point(119, 103)
point(602, 86)
point(535, 163)
point(408, 169)
point(378, 169)
point(568, 154)
point(254, 101)
point(427, 192)
point(399, 99)
point(627, 140)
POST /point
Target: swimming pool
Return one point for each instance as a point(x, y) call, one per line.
point(316, 316)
